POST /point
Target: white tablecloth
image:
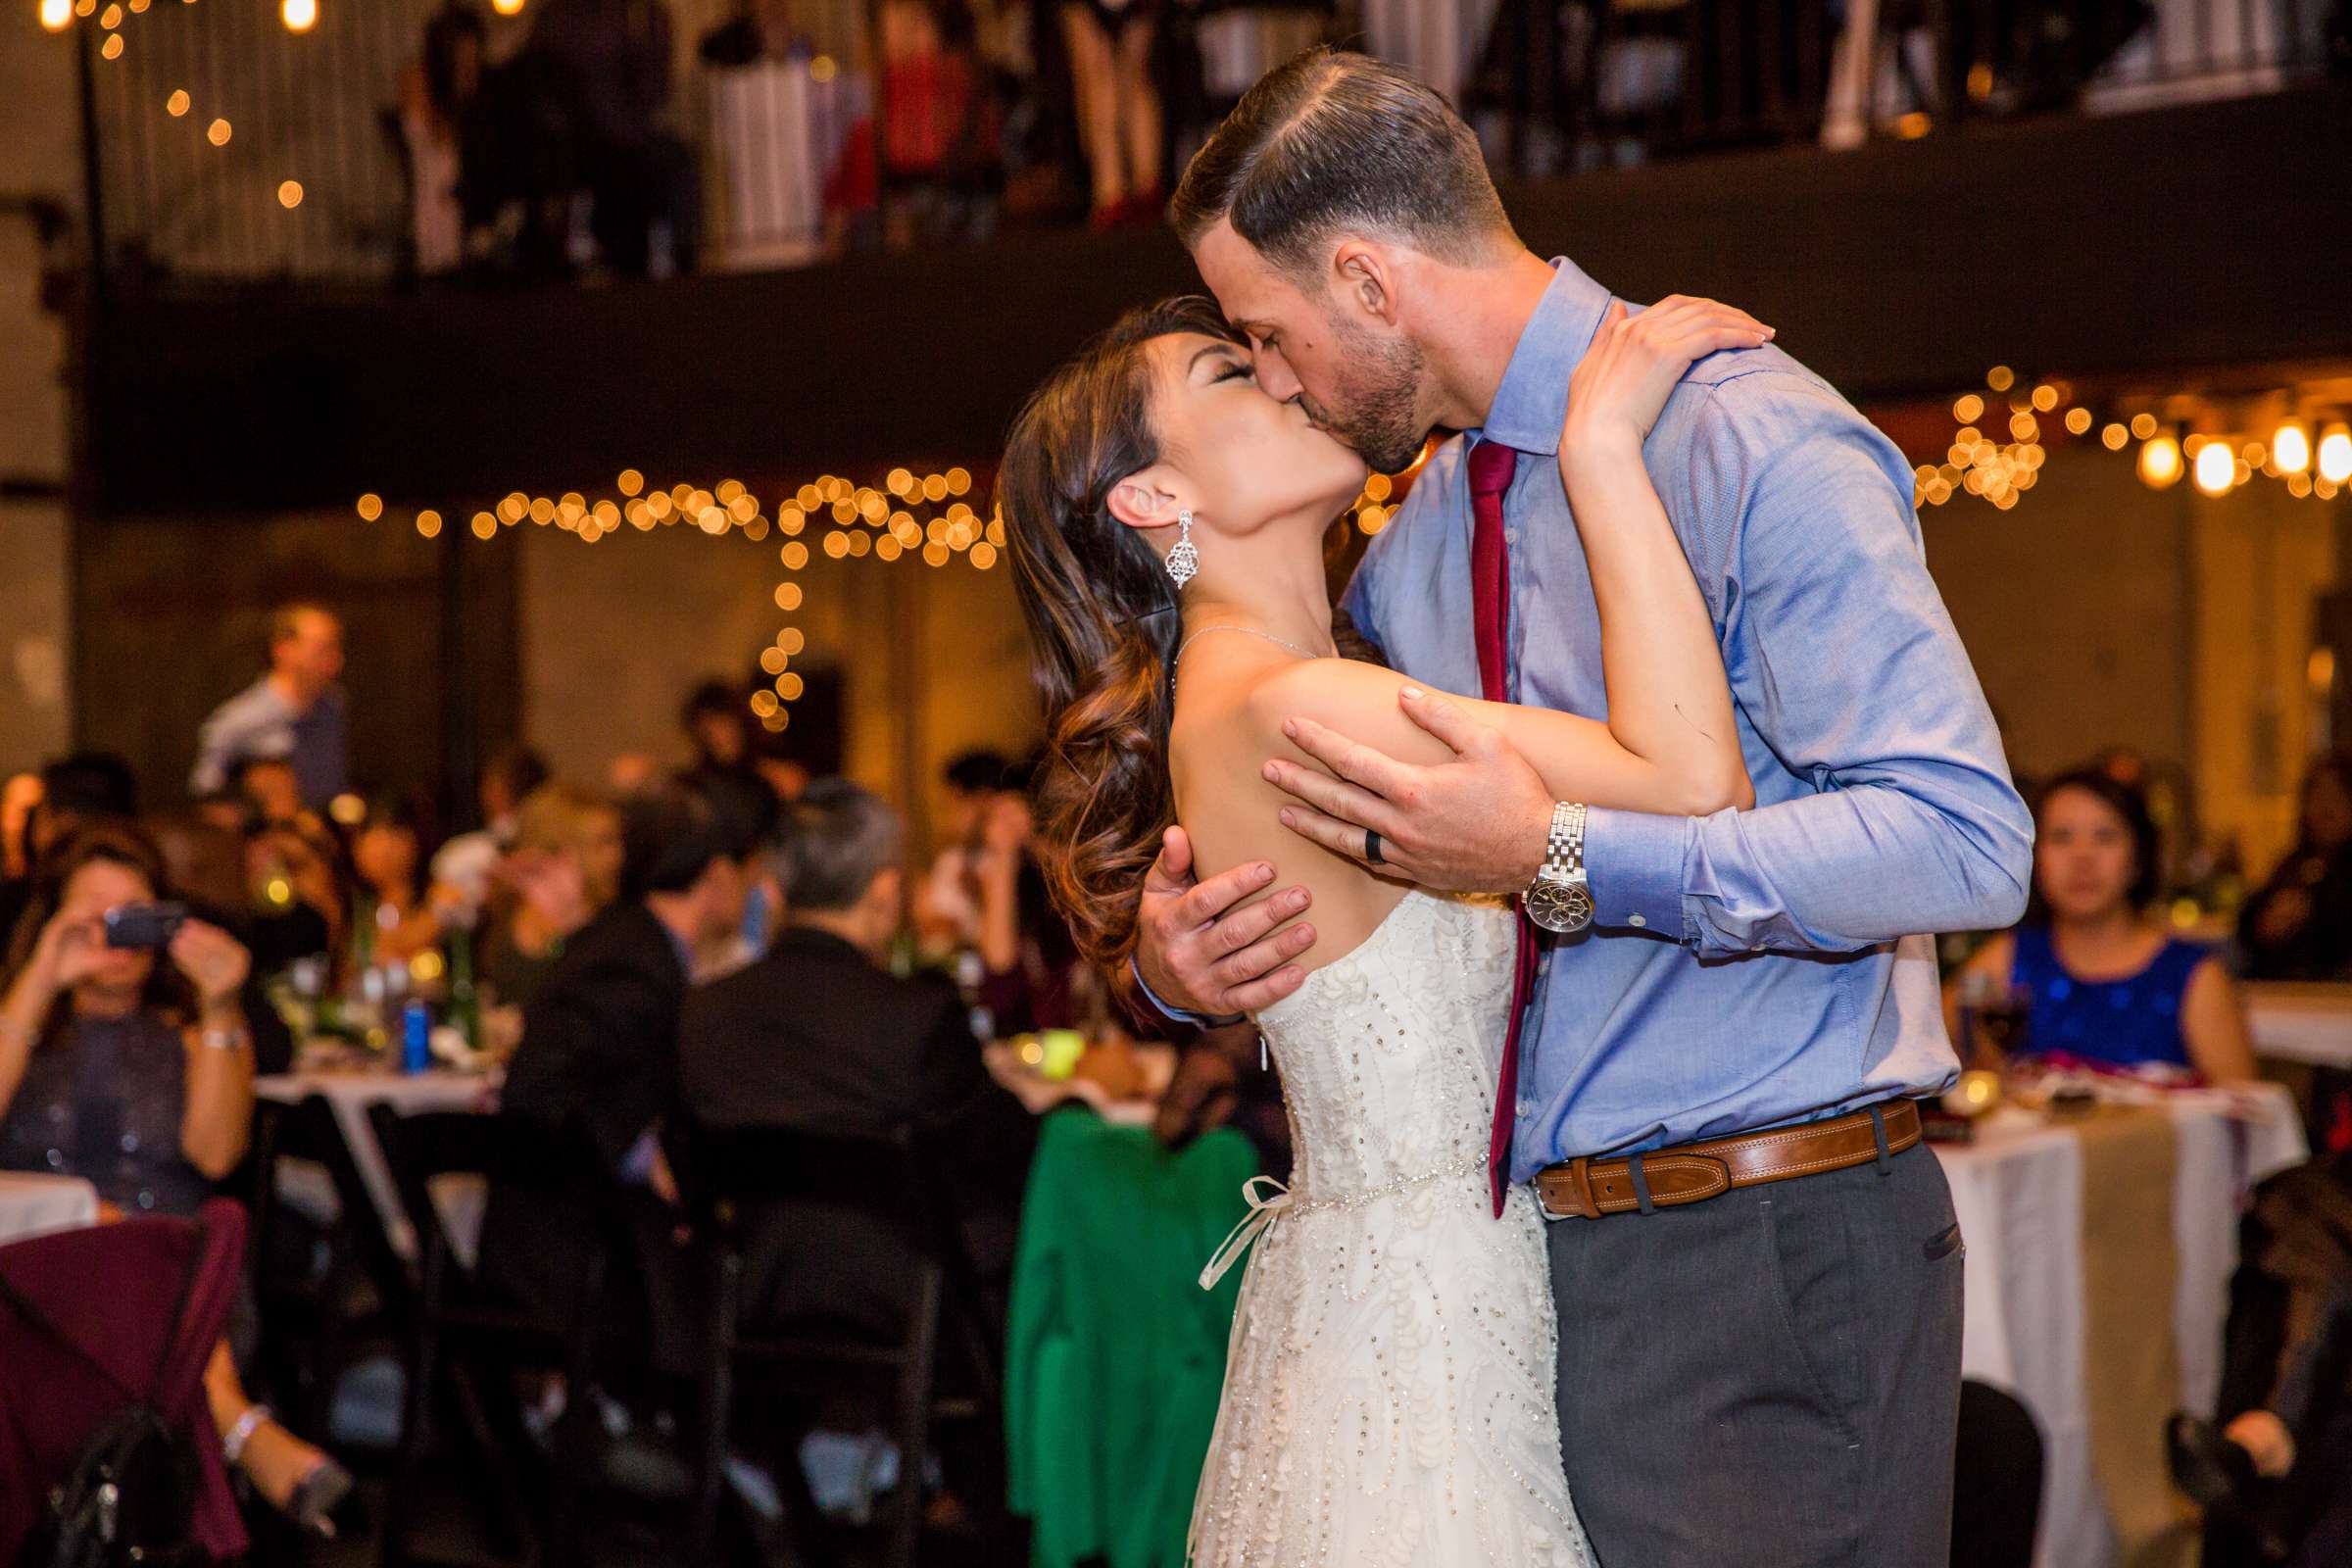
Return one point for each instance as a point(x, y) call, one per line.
point(34, 1205)
point(2018, 1189)
point(2307, 1023)
point(350, 1093)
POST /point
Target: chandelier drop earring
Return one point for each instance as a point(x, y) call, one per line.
point(1184, 561)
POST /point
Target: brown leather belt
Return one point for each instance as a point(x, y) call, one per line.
point(1692, 1173)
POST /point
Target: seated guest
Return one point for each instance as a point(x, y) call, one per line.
point(133, 1068)
point(600, 1042)
point(564, 868)
point(947, 914)
point(462, 867)
point(819, 1035)
point(2275, 1475)
point(392, 918)
point(70, 792)
point(2104, 983)
point(2299, 926)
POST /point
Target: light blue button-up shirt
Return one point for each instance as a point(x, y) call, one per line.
point(1755, 968)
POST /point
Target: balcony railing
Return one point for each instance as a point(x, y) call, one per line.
point(232, 149)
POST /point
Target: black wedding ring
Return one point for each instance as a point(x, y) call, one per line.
point(1372, 854)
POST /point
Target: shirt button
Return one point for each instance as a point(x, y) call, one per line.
point(130, 1143)
point(56, 1159)
point(146, 1199)
point(1527, 1107)
point(1634, 919)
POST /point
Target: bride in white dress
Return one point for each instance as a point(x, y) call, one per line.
point(1389, 1394)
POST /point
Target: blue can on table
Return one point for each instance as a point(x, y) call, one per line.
point(415, 1038)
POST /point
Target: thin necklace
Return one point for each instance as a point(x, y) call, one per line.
point(1252, 631)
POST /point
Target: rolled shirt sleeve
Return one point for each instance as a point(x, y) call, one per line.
point(1848, 669)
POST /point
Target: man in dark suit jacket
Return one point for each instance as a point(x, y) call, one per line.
point(819, 1036)
point(599, 1052)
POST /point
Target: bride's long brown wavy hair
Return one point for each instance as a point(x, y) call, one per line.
point(1102, 621)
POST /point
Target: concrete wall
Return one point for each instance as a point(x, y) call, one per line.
point(37, 166)
point(2100, 613)
point(615, 634)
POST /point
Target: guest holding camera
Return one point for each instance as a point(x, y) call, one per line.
point(125, 1059)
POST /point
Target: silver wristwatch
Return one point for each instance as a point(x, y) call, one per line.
point(1559, 899)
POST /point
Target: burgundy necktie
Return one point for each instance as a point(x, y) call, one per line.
point(1491, 464)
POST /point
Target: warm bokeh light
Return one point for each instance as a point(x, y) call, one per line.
point(2160, 462)
point(507, 8)
point(218, 133)
point(2001, 378)
point(2217, 467)
point(2143, 425)
point(299, 15)
point(57, 15)
point(289, 194)
point(2290, 448)
point(2335, 455)
point(2078, 422)
point(112, 47)
point(347, 809)
point(111, 18)
point(428, 523)
point(372, 506)
point(177, 103)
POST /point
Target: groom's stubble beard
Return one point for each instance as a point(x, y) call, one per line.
point(1378, 413)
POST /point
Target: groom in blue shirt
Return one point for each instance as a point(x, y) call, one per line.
point(1761, 1375)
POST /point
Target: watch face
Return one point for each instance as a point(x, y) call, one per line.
point(1559, 905)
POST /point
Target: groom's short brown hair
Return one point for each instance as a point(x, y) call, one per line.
point(1331, 141)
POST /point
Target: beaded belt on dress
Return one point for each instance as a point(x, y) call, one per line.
point(1280, 1200)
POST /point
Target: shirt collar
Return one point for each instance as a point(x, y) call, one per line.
point(1532, 400)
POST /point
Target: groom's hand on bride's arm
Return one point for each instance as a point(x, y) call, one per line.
point(1199, 954)
point(1473, 823)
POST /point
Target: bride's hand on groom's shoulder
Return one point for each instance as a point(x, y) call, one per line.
point(1622, 383)
point(1473, 823)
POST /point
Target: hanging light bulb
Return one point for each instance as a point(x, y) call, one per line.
point(57, 15)
point(2335, 455)
point(2217, 467)
point(507, 8)
point(299, 15)
point(2290, 448)
point(2160, 462)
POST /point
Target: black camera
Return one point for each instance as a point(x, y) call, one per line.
point(144, 925)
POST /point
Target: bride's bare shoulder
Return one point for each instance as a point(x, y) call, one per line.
point(1346, 695)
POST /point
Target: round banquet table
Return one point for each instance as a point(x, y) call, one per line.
point(350, 1092)
point(2099, 1255)
point(1116, 1357)
point(35, 1205)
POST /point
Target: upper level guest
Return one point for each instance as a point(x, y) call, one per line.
point(295, 711)
point(2299, 925)
point(2101, 979)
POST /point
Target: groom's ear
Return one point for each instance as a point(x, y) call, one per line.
point(1144, 499)
point(1365, 277)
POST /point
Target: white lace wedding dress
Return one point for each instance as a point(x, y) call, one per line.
point(1389, 1395)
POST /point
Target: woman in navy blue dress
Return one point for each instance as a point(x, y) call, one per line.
point(2100, 980)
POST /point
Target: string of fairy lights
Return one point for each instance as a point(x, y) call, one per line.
point(2294, 436)
point(909, 516)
